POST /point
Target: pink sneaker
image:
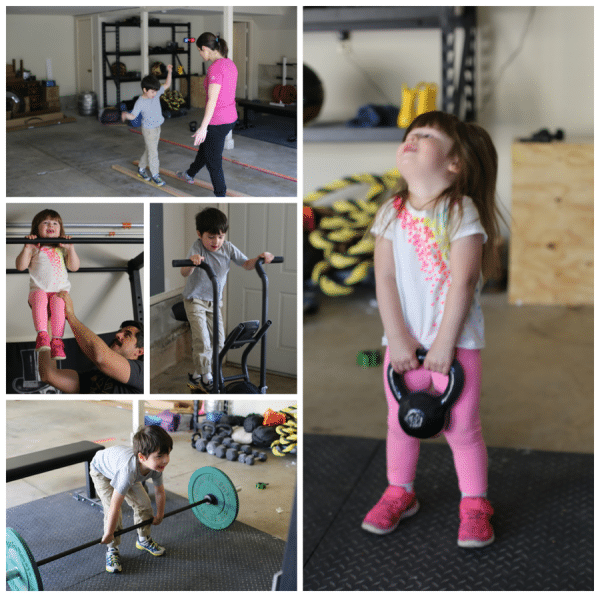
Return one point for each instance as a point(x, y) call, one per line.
point(475, 529)
point(395, 504)
point(57, 349)
point(42, 342)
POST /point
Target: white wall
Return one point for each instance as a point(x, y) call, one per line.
point(102, 300)
point(34, 38)
point(548, 85)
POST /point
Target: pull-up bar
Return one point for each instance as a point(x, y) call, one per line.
point(125, 225)
point(11, 240)
point(81, 270)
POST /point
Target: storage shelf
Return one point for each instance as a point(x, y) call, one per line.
point(457, 93)
point(114, 29)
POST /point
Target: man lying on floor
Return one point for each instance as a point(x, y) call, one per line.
point(118, 368)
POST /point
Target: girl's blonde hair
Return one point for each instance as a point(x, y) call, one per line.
point(46, 214)
point(476, 178)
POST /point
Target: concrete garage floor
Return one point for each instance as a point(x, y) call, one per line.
point(75, 159)
point(174, 380)
point(538, 380)
point(33, 425)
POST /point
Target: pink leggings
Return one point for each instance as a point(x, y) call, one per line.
point(463, 434)
point(44, 304)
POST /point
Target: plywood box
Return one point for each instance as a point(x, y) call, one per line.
point(552, 224)
point(50, 94)
point(197, 93)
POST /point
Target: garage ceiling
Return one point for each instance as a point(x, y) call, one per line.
point(86, 10)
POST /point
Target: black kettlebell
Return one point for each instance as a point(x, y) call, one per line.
point(193, 126)
point(422, 414)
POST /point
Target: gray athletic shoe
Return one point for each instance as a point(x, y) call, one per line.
point(143, 174)
point(184, 176)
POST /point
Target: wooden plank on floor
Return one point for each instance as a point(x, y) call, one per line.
point(165, 188)
point(198, 183)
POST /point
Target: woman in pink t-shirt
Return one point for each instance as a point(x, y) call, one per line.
point(220, 114)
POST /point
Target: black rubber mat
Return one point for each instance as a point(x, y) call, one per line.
point(197, 558)
point(543, 522)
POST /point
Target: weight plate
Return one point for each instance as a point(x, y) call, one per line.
point(20, 559)
point(211, 481)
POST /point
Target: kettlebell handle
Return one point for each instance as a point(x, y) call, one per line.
point(456, 380)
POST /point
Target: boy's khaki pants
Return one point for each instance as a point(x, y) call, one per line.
point(150, 156)
point(136, 497)
point(200, 316)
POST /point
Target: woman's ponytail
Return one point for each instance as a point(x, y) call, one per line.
point(214, 42)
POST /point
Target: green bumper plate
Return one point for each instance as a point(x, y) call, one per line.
point(22, 573)
point(211, 481)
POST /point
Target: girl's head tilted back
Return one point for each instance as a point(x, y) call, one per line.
point(46, 214)
point(212, 220)
point(476, 173)
point(213, 42)
point(152, 439)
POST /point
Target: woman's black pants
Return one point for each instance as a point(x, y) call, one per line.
point(210, 154)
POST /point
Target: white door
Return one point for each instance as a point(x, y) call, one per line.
point(255, 228)
point(240, 57)
point(83, 51)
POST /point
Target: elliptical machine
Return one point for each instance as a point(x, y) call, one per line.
point(247, 333)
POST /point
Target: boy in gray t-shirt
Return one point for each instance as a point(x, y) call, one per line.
point(211, 246)
point(148, 105)
point(118, 474)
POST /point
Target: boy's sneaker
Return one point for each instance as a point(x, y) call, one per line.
point(57, 349)
point(158, 181)
point(42, 342)
point(113, 561)
point(184, 176)
point(143, 174)
point(150, 546)
point(196, 380)
point(395, 504)
point(475, 528)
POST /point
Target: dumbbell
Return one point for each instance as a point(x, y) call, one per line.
point(246, 449)
point(201, 445)
point(231, 454)
point(212, 445)
point(245, 458)
point(259, 455)
point(220, 451)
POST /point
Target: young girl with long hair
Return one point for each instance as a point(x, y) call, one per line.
point(432, 241)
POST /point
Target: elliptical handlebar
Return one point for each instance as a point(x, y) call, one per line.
point(209, 270)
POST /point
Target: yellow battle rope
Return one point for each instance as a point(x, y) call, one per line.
point(288, 438)
point(341, 232)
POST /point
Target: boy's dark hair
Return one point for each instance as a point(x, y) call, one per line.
point(139, 337)
point(150, 82)
point(211, 220)
point(152, 438)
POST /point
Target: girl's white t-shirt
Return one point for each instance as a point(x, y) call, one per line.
point(421, 245)
point(47, 270)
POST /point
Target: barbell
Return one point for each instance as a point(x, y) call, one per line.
point(217, 509)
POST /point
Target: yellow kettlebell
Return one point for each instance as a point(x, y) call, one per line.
point(427, 93)
point(407, 111)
